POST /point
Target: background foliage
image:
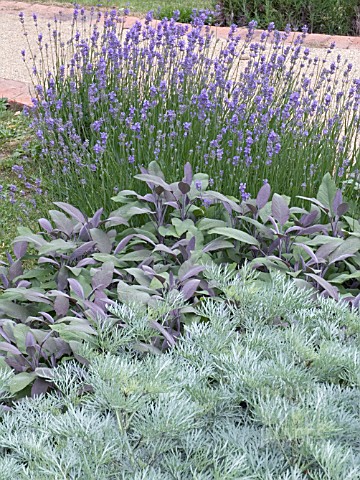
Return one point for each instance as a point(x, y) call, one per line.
point(332, 17)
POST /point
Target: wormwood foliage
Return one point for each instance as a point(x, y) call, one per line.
point(267, 388)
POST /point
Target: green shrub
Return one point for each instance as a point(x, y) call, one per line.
point(183, 15)
point(332, 17)
point(267, 387)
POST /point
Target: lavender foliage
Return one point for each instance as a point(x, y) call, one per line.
point(245, 111)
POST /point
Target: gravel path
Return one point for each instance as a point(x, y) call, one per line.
point(12, 39)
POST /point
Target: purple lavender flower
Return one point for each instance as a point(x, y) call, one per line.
point(98, 148)
point(207, 202)
point(149, 17)
point(17, 168)
point(242, 189)
point(156, 93)
point(96, 126)
point(198, 185)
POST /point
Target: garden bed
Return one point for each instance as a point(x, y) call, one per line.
point(189, 306)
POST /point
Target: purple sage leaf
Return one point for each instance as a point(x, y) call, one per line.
point(61, 305)
point(189, 288)
point(45, 224)
point(72, 211)
point(77, 288)
point(279, 209)
point(263, 196)
point(338, 200)
point(330, 289)
point(184, 187)
point(342, 209)
point(7, 347)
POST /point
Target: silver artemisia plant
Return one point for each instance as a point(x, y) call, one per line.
point(263, 385)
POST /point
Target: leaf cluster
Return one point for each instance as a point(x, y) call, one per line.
point(266, 387)
point(320, 246)
point(154, 250)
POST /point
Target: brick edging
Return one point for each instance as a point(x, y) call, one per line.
point(17, 93)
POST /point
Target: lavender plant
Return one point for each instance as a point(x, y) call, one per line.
point(109, 100)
